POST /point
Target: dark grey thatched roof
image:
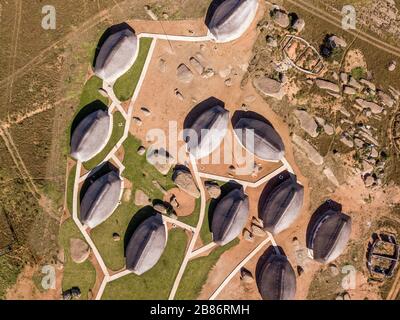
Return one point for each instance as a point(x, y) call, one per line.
point(232, 18)
point(281, 206)
point(116, 55)
point(230, 216)
point(330, 236)
point(277, 280)
point(101, 199)
point(91, 135)
point(267, 144)
point(146, 245)
point(209, 129)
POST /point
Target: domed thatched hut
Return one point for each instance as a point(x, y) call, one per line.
point(281, 206)
point(230, 216)
point(146, 245)
point(116, 54)
point(91, 135)
point(328, 235)
point(101, 199)
point(207, 131)
point(277, 280)
point(265, 143)
point(232, 18)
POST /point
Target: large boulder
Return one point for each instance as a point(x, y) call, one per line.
point(299, 25)
point(307, 122)
point(184, 74)
point(280, 17)
point(336, 42)
point(141, 199)
point(327, 85)
point(375, 108)
point(79, 250)
point(269, 87)
point(308, 149)
point(213, 189)
point(386, 99)
point(184, 180)
point(161, 160)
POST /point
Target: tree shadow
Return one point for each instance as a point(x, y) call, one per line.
point(84, 112)
point(225, 189)
point(138, 218)
point(108, 33)
point(319, 214)
point(199, 109)
point(211, 10)
point(96, 174)
point(248, 114)
point(271, 186)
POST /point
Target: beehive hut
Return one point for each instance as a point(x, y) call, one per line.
point(207, 131)
point(232, 18)
point(329, 235)
point(277, 280)
point(265, 143)
point(116, 54)
point(281, 206)
point(230, 216)
point(91, 135)
point(101, 199)
point(146, 245)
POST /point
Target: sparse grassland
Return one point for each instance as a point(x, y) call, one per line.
point(156, 283)
point(197, 272)
point(81, 275)
point(47, 69)
point(125, 86)
point(358, 73)
point(205, 232)
point(70, 188)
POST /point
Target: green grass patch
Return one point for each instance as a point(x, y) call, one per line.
point(194, 217)
point(197, 271)
point(125, 86)
point(10, 270)
point(70, 188)
point(358, 73)
point(205, 232)
point(117, 133)
point(81, 275)
point(156, 283)
point(141, 174)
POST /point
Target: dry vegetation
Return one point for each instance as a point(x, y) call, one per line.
point(41, 83)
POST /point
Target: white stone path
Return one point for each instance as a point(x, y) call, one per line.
point(190, 252)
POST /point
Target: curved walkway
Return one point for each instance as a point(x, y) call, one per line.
point(190, 252)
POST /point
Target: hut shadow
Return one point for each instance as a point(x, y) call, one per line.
point(140, 216)
point(248, 114)
point(271, 186)
point(109, 32)
point(265, 257)
point(96, 174)
point(211, 10)
point(225, 189)
point(199, 109)
point(317, 216)
point(84, 112)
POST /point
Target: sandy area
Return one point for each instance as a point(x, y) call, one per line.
point(25, 288)
point(186, 202)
